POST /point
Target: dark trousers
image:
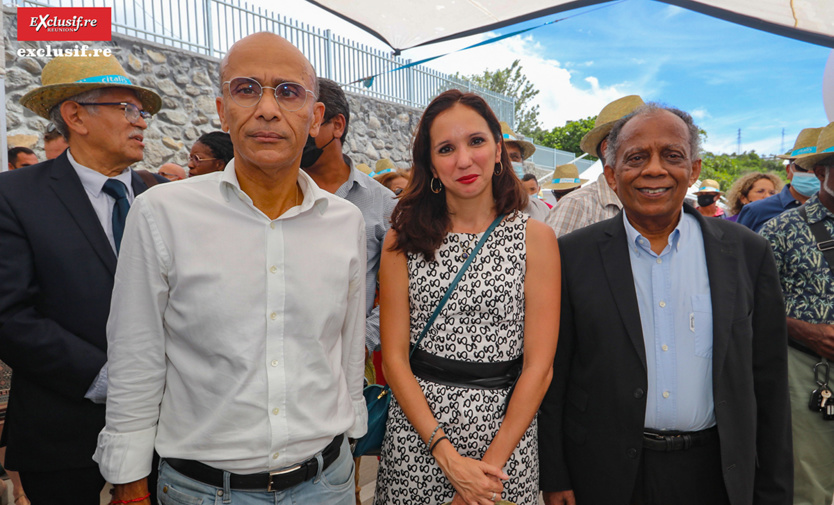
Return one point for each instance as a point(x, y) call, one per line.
point(687, 477)
point(81, 486)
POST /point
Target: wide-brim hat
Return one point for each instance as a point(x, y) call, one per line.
point(564, 177)
point(527, 148)
point(824, 148)
point(806, 143)
point(609, 115)
point(708, 186)
point(67, 76)
point(364, 168)
point(383, 166)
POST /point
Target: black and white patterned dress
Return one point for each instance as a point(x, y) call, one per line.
point(483, 321)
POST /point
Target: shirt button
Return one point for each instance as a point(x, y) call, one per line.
point(273, 269)
point(666, 394)
point(659, 261)
point(274, 362)
point(665, 347)
point(638, 393)
point(632, 452)
point(273, 316)
point(662, 304)
point(272, 225)
point(275, 456)
point(275, 411)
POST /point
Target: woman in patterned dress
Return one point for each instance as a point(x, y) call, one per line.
point(484, 444)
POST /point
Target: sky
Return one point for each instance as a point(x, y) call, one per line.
point(729, 77)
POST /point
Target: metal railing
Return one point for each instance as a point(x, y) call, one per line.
point(210, 27)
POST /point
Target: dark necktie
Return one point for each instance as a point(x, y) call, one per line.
point(118, 191)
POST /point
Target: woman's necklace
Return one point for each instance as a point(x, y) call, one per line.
point(467, 246)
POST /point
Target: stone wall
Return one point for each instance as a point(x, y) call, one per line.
point(187, 83)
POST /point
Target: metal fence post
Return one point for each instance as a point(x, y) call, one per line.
point(328, 53)
point(209, 28)
point(410, 84)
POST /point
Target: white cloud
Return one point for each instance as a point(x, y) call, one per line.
point(700, 113)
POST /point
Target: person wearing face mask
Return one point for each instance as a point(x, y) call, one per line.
point(519, 150)
point(807, 281)
point(335, 173)
point(803, 185)
point(708, 194)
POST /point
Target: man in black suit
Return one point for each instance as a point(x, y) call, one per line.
point(60, 228)
point(669, 382)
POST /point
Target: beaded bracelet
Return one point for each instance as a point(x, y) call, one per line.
point(118, 502)
point(444, 437)
point(434, 433)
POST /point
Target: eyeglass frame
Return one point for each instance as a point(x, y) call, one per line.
point(196, 159)
point(145, 115)
point(274, 91)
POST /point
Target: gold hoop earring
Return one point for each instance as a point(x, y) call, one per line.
point(431, 185)
point(497, 170)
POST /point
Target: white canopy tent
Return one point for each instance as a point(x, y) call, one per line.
point(403, 24)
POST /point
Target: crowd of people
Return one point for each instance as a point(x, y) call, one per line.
point(205, 335)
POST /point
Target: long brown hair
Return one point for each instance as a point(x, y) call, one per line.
point(421, 218)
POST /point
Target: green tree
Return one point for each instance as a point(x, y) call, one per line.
point(513, 83)
point(566, 137)
point(726, 168)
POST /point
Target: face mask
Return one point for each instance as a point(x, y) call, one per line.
point(312, 153)
point(805, 184)
point(518, 168)
point(706, 200)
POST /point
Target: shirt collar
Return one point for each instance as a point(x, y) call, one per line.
point(785, 196)
point(355, 176)
point(313, 195)
point(607, 196)
point(93, 181)
point(816, 210)
point(637, 242)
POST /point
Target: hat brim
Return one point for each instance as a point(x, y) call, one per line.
point(808, 161)
point(41, 100)
point(564, 185)
point(592, 139)
point(527, 148)
point(708, 192)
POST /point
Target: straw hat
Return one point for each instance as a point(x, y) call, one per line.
point(527, 148)
point(384, 166)
point(609, 115)
point(564, 177)
point(824, 149)
point(364, 168)
point(708, 186)
point(66, 76)
point(806, 143)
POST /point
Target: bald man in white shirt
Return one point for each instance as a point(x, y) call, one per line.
point(238, 316)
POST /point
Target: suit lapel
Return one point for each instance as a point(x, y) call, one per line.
point(721, 253)
point(614, 248)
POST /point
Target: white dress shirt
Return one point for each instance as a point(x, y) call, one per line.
point(241, 336)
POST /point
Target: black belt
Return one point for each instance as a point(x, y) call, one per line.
point(267, 481)
point(668, 441)
point(451, 372)
point(803, 348)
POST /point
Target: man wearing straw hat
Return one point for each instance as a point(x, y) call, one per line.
point(236, 339)
point(563, 180)
point(807, 282)
point(708, 193)
point(519, 150)
point(61, 225)
point(802, 185)
point(593, 202)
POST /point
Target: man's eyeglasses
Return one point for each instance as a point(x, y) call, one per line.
point(197, 159)
point(132, 112)
point(247, 92)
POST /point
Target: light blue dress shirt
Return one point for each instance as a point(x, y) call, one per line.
point(673, 295)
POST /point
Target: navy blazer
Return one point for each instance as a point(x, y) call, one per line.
point(591, 421)
point(56, 277)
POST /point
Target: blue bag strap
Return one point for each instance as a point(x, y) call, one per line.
point(455, 282)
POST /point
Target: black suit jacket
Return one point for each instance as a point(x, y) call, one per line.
point(56, 277)
point(591, 421)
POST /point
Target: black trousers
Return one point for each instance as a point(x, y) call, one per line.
point(81, 486)
point(688, 477)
